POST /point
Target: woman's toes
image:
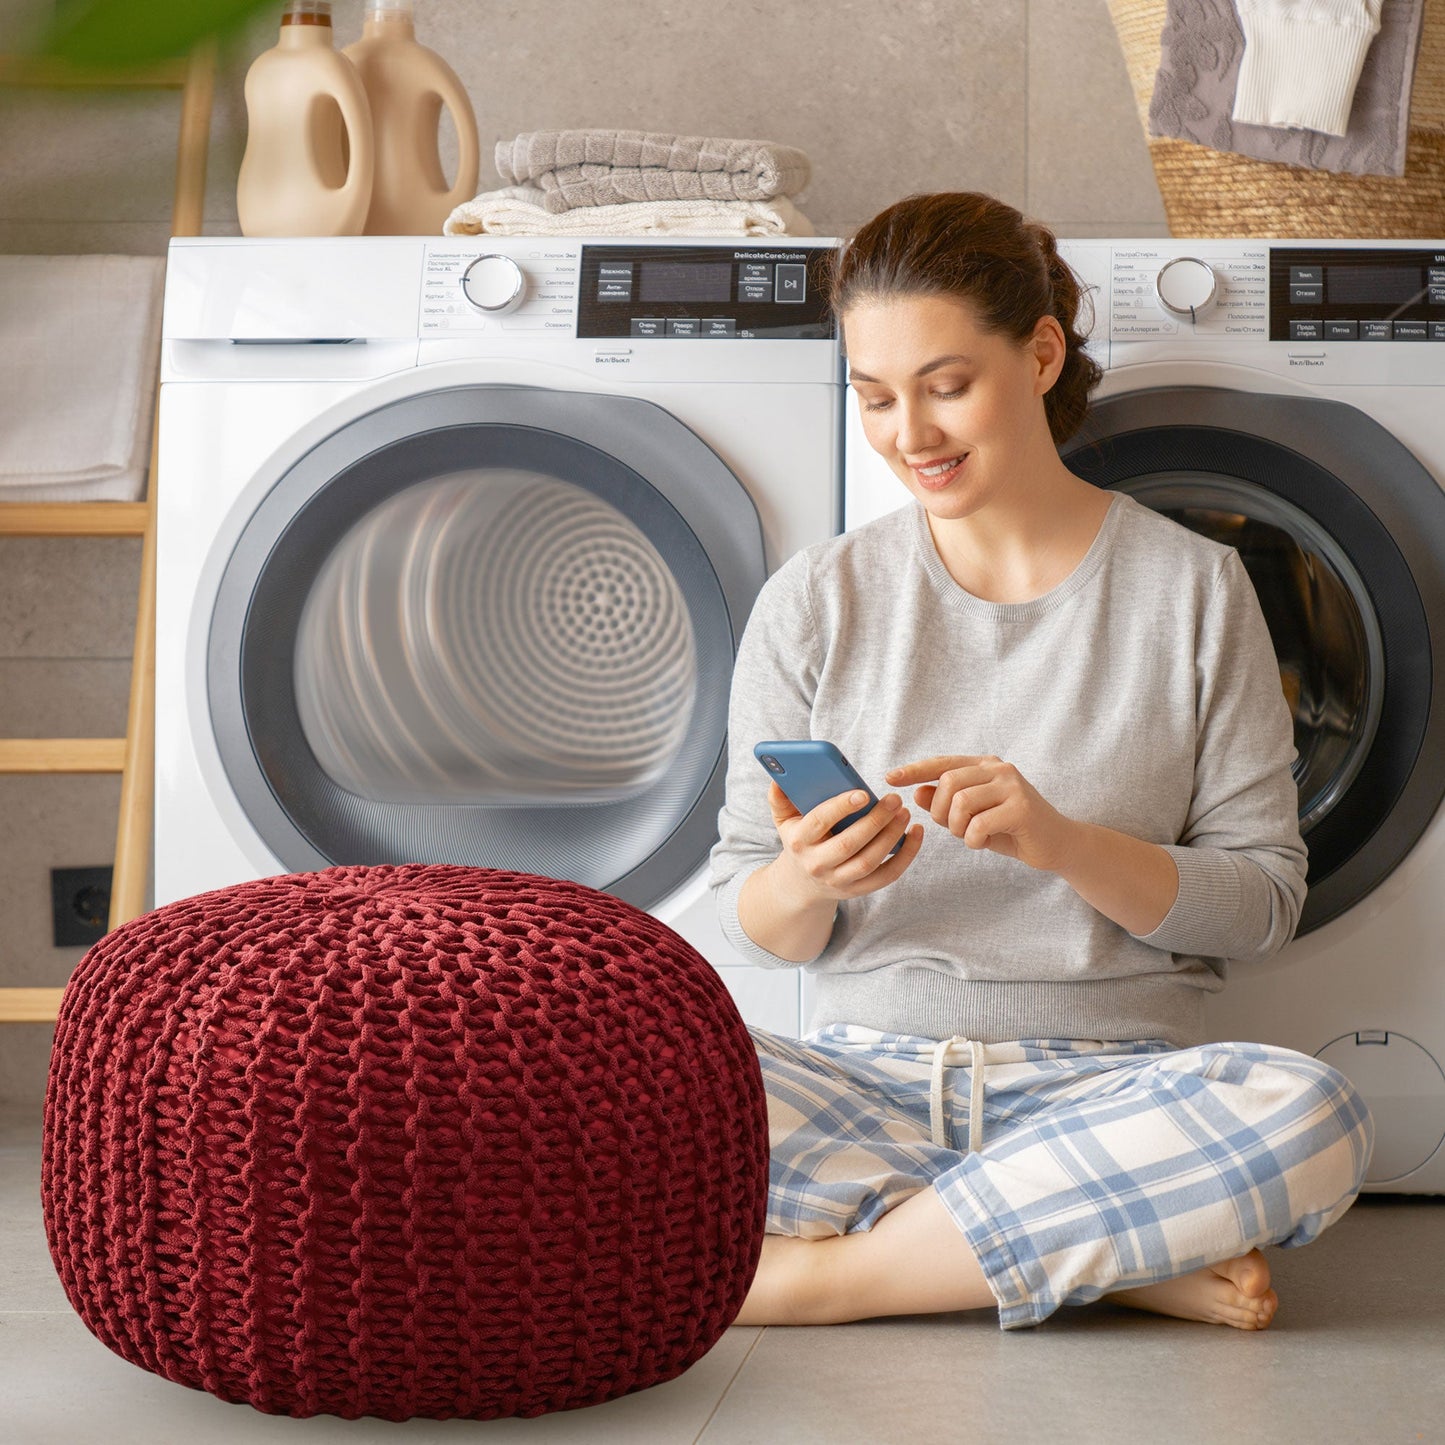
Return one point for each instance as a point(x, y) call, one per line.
point(1249, 1273)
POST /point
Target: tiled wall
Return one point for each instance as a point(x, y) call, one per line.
point(1027, 100)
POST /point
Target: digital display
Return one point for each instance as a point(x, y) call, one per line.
point(686, 281)
point(1373, 285)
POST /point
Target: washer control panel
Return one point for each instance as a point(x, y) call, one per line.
point(1356, 293)
point(762, 291)
point(1155, 291)
point(523, 287)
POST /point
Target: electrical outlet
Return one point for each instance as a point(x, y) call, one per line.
point(79, 905)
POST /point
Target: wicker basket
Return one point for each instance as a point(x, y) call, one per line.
point(1217, 193)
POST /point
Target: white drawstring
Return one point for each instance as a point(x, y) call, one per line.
point(975, 1104)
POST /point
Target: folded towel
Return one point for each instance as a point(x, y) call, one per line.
point(79, 342)
point(1201, 53)
point(519, 211)
point(611, 167)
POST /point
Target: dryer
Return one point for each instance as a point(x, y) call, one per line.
point(1287, 398)
point(456, 538)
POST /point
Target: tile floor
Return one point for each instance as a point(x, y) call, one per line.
point(1356, 1356)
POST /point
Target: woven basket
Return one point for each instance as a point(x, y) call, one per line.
point(1217, 193)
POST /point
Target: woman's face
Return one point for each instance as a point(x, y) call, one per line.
point(933, 387)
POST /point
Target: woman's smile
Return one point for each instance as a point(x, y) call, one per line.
point(929, 475)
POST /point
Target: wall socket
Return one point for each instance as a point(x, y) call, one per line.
point(79, 905)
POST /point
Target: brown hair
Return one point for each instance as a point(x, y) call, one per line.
point(975, 248)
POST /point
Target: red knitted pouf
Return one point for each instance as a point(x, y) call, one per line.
point(404, 1141)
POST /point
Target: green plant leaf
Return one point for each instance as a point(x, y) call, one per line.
point(119, 33)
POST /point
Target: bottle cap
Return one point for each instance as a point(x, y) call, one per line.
point(307, 12)
point(389, 9)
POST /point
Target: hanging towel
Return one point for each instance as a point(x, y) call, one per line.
point(519, 211)
point(612, 167)
point(79, 343)
point(1202, 51)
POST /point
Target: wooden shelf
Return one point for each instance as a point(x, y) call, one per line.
point(73, 519)
point(30, 1005)
point(62, 755)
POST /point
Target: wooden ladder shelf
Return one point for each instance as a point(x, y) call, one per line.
point(132, 756)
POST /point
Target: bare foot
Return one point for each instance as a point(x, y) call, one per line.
point(1232, 1292)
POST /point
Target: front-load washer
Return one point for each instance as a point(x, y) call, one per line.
point(1287, 398)
point(456, 539)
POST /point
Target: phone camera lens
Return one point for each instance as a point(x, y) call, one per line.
point(772, 763)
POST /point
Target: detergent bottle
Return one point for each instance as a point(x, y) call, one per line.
point(407, 85)
point(309, 159)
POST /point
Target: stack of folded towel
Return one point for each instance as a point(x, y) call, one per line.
point(79, 340)
point(632, 182)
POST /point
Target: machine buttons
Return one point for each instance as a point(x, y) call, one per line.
point(1411, 331)
point(1437, 331)
point(792, 281)
point(1376, 331)
point(1307, 331)
point(614, 282)
point(1342, 330)
point(1186, 287)
point(756, 271)
point(648, 326)
point(755, 290)
point(494, 284)
point(1306, 295)
point(683, 326)
point(1306, 275)
point(719, 326)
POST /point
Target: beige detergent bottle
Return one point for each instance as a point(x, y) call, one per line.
point(310, 157)
point(407, 85)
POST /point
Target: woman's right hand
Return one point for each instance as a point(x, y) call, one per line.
point(853, 862)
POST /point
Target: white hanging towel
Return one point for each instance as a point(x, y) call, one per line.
point(79, 345)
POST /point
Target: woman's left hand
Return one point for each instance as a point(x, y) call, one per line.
point(989, 804)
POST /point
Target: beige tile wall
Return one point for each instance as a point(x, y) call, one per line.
point(1029, 101)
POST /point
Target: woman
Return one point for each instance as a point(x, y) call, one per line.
point(1003, 1102)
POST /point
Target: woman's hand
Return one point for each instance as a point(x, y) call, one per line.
point(990, 804)
point(852, 862)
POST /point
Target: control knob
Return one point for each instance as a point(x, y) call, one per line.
point(494, 284)
point(1187, 287)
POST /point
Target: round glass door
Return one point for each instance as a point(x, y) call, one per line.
point(490, 625)
point(1320, 615)
point(497, 636)
point(1342, 532)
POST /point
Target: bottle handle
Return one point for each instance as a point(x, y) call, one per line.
point(361, 158)
point(454, 96)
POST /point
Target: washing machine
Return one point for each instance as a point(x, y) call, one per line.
point(456, 540)
point(1288, 399)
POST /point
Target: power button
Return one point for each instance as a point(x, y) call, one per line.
point(791, 281)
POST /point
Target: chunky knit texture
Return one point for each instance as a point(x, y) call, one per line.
point(404, 1141)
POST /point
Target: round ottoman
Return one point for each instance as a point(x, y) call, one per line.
point(404, 1141)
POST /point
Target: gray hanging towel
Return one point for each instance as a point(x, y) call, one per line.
point(610, 167)
point(1202, 45)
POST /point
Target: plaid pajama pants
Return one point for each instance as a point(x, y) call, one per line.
point(1073, 1167)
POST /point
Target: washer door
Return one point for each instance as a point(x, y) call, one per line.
point(489, 625)
point(1342, 532)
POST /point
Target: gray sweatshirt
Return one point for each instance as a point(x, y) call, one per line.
point(1142, 693)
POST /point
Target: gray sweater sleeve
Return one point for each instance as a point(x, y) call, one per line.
point(774, 680)
point(1241, 859)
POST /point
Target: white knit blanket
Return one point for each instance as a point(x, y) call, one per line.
point(79, 342)
point(519, 211)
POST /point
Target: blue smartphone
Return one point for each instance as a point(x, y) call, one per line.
point(810, 772)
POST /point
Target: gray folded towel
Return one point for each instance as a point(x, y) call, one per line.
point(1202, 45)
point(611, 167)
